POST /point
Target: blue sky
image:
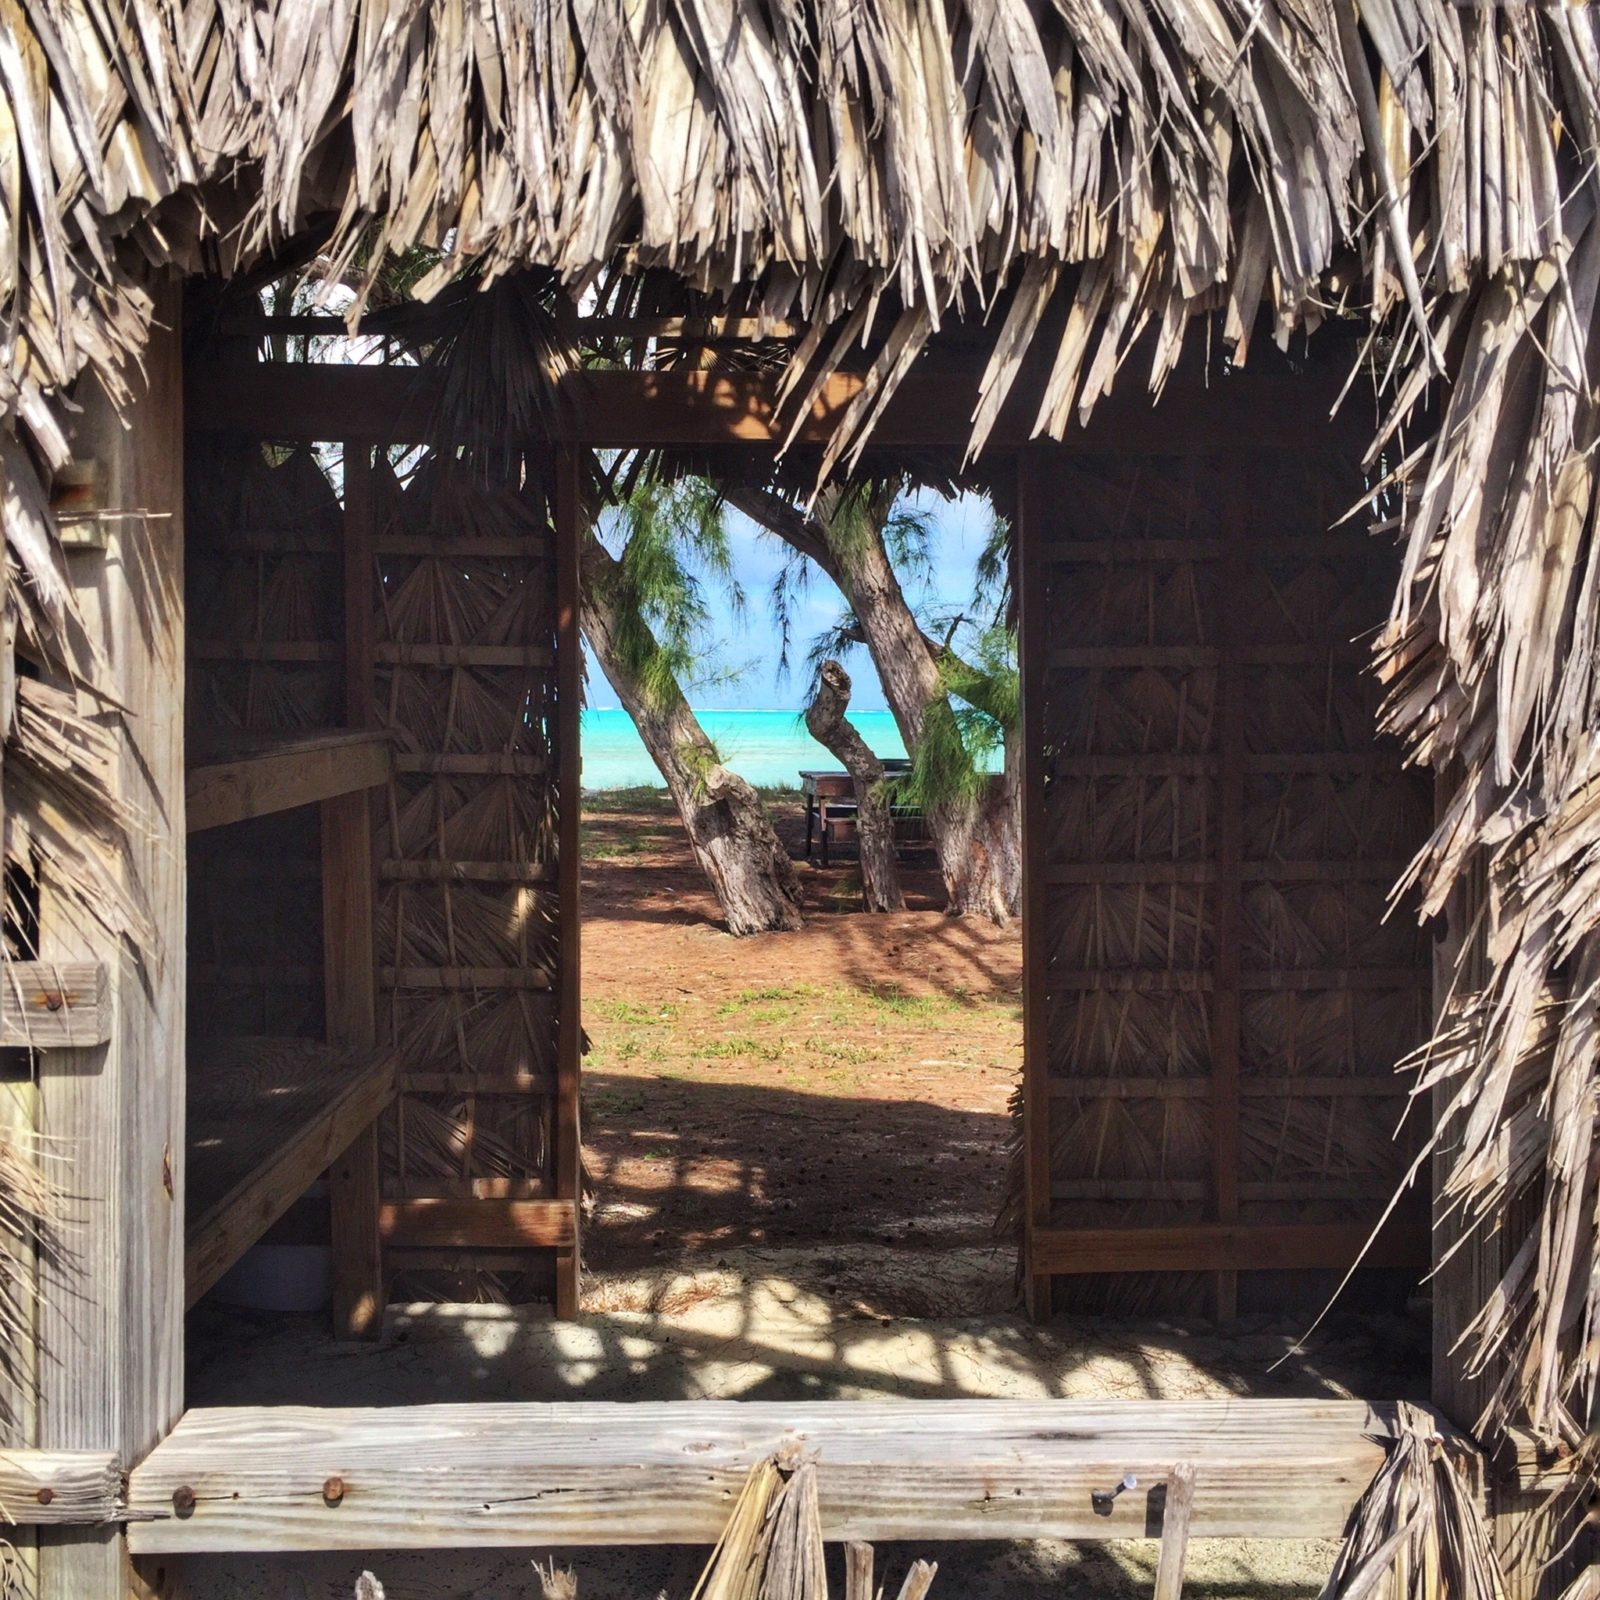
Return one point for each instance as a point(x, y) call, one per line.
point(750, 643)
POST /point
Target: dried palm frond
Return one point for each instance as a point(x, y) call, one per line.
point(1418, 1532)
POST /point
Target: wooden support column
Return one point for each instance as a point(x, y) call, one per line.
point(569, 1038)
point(1228, 888)
point(348, 906)
point(111, 1306)
point(19, 1423)
point(1029, 538)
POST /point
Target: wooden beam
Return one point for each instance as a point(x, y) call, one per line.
point(349, 911)
point(227, 1228)
point(1225, 1247)
point(284, 774)
point(55, 1005)
point(59, 1487)
point(479, 1224)
point(624, 409)
point(1227, 893)
point(588, 1473)
point(1036, 1110)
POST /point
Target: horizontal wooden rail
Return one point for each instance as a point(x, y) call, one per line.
point(478, 1224)
point(586, 1473)
point(1205, 872)
point(54, 1005)
point(57, 1487)
point(1159, 980)
point(1224, 1247)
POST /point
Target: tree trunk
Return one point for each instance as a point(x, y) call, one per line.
point(977, 837)
point(747, 867)
point(880, 878)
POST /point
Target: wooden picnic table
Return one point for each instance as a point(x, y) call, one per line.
point(822, 788)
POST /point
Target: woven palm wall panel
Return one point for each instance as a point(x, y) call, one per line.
point(265, 607)
point(327, 590)
point(1224, 1000)
point(467, 919)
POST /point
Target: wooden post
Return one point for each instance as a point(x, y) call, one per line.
point(348, 905)
point(358, 1295)
point(569, 691)
point(858, 1571)
point(111, 1308)
point(1228, 887)
point(1176, 1513)
point(1029, 538)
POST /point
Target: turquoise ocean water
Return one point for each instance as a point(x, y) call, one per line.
point(764, 747)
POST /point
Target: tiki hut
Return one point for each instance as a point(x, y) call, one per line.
point(1278, 851)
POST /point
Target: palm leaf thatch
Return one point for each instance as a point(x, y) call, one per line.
point(1091, 174)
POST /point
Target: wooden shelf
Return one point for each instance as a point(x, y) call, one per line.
point(254, 777)
point(266, 1118)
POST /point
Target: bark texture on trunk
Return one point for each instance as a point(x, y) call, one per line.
point(880, 877)
point(977, 837)
point(746, 865)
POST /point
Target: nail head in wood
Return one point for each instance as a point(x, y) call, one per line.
point(333, 1490)
point(183, 1500)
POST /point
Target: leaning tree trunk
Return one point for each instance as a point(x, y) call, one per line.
point(979, 858)
point(880, 878)
point(747, 867)
point(977, 836)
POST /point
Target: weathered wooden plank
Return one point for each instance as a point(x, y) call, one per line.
point(110, 1320)
point(1225, 1247)
point(278, 777)
point(272, 1179)
point(482, 1223)
point(55, 1005)
point(59, 1487)
point(589, 1473)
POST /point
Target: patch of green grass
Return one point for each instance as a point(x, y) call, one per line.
point(631, 1012)
point(741, 1045)
point(839, 1050)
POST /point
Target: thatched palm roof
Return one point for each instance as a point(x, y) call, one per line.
point(1424, 165)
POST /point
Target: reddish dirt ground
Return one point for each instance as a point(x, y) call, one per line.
point(839, 1093)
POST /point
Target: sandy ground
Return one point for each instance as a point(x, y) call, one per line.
point(840, 1091)
point(797, 1148)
